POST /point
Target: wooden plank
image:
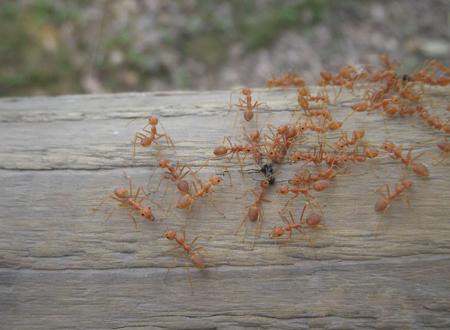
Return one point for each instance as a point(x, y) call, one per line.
point(64, 266)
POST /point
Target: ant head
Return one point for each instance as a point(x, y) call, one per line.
point(163, 163)
point(215, 180)
point(443, 145)
point(153, 121)
point(284, 189)
point(297, 156)
point(264, 184)
point(249, 148)
point(303, 91)
point(388, 146)
point(272, 155)
point(254, 136)
point(407, 183)
point(121, 192)
point(371, 153)
point(277, 232)
point(282, 129)
point(358, 134)
point(246, 91)
point(147, 213)
point(170, 234)
point(334, 125)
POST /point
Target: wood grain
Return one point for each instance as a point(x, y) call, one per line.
point(63, 266)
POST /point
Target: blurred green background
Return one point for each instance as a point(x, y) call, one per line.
point(80, 46)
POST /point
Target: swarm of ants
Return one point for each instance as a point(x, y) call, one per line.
point(384, 91)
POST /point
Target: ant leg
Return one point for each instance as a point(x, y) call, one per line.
point(95, 209)
point(302, 214)
point(240, 163)
point(138, 191)
point(186, 268)
point(111, 213)
point(133, 218)
point(193, 241)
point(134, 145)
point(405, 199)
point(242, 223)
point(214, 206)
point(171, 203)
point(338, 94)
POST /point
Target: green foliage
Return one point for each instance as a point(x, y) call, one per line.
point(35, 58)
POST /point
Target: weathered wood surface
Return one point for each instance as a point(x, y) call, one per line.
point(63, 266)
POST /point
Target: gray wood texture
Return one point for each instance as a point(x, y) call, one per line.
point(63, 266)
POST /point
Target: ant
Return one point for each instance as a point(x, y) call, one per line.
point(344, 141)
point(188, 199)
point(418, 168)
point(286, 80)
point(289, 226)
point(128, 200)
point(190, 250)
point(444, 147)
point(247, 104)
point(255, 212)
point(176, 174)
point(385, 200)
point(231, 151)
point(146, 140)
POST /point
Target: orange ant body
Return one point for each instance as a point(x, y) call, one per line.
point(288, 79)
point(361, 107)
point(146, 140)
point(290, 225)
point(247, 104)
point(397, 153)
point(255, 212)
point(385, 200)
point(189, 249)
point(344, 141)
point(187, 200)
point(127, 199)
point(306, 178)
point(176, 174)
point(443, 145)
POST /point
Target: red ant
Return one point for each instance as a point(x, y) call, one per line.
point(128, 200)
point(255, 212)
point(147, 140)
point(288, 79)
point(247, 104)
point(418, 168)
point(191, 252)
point(444, 147)
point(385, 200)
point(288, 228)
point(197, 261)
point(318, 185)
point(231, 151)
point(176, 174)
point(187, 200)
point(344, 141)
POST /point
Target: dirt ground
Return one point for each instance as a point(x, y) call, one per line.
point(67, 47)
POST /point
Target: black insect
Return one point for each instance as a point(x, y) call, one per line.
point(267, 170)
point(406, 78)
